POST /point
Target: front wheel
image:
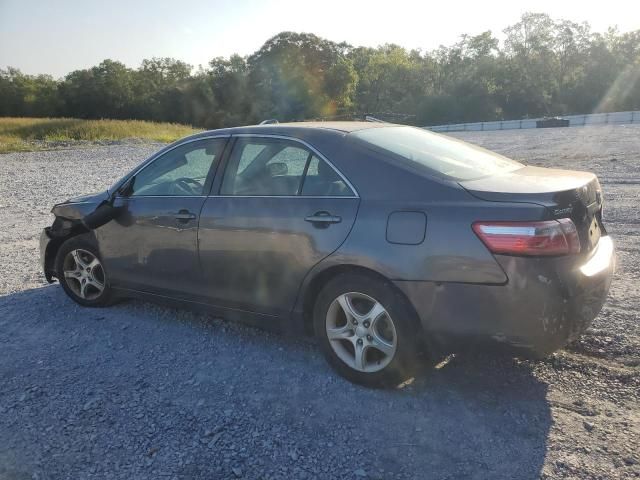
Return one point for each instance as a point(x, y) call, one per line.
point(81, 273)
point(367, 331)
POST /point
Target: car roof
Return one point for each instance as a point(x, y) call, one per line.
point(292, 128)
point(340, 126)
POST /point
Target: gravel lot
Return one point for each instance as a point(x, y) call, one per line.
point(142, 391)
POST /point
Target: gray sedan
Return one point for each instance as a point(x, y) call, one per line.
point(384, 241)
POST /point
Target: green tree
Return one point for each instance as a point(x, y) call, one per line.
point(104, 91)
point(153, 83)
point(527, 82)
point(298, 75)
point(389, 80)
point(229, 84)
point(27, 95)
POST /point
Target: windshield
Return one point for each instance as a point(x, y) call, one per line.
point(445, 156)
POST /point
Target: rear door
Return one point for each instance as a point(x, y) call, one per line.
point(152, 245)
point(280, 209)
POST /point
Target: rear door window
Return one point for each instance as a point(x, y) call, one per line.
point(277, 167)
point(322, 180)
point(262, 166)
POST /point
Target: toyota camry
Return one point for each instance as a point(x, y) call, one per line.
point(383, 241)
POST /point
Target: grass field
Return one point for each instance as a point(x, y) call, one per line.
point(23, 134)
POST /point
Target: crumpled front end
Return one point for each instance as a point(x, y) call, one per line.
point(45, 263)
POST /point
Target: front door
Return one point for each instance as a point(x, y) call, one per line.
point(152, 244)
point(280, 210)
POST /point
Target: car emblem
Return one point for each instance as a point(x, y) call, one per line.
point(562, 211)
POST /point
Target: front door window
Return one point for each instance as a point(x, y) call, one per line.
point(184, 171)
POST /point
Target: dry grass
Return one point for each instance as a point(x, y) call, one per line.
point(21, 134)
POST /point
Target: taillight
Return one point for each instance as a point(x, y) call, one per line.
point(550, 237)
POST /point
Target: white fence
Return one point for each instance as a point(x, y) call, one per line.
point(574, 121)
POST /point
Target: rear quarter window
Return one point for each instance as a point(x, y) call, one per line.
point(443, 156)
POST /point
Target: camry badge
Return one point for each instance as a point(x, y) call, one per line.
point(562, 211)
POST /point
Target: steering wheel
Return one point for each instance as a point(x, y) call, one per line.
point(190, 185)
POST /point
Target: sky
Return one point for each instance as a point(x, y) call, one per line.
point(59, 36)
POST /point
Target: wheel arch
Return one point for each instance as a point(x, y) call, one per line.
point(58, 235)
point(321, 278)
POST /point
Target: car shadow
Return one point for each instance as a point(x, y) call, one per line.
point(472, 416)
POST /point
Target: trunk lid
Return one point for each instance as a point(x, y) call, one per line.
point(565, 194)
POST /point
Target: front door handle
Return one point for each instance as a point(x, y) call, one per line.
point(323, 219)
point(184, 216)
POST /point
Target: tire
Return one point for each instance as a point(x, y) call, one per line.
point(385, 339)
point(80, 272)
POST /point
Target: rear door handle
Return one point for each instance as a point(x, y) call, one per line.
point(323, 218)
point(184, 216)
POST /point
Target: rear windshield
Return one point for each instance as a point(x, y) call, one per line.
point(445, 156)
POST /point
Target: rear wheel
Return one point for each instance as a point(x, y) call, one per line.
point(366, 330)
point(81, 273)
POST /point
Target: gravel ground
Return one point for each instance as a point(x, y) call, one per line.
point(142, 391)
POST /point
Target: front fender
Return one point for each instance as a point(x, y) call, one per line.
point(74, 211)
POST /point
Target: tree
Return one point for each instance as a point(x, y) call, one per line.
point(389, 79)
point(26, 95)
point(298, 75)
point(463, 85)
point(229, 85)
point(153, 83)
point(527, 80)
point(104, 91)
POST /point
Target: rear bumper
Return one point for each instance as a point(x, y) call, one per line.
point(546, 303)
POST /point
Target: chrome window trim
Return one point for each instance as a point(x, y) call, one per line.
point(164, 196)
point(237, 196)
point(312, 149)
point(159, 154)
point(281, 196)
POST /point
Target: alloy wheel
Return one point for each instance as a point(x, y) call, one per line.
point(84, 274)
point(361, 332)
